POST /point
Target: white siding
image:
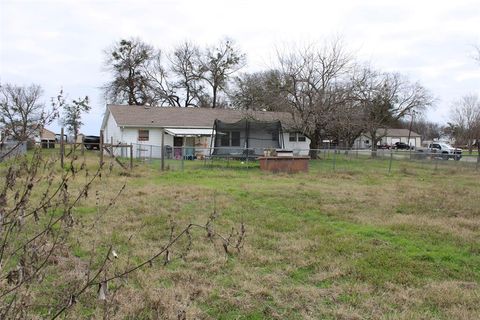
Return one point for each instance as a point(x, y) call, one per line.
point(298, 147)
point(111, 130)
point(152, 147)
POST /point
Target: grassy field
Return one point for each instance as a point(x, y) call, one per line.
point(354, 243)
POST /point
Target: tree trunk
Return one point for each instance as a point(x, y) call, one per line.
point(375, 139)
point(214, 102)
point(187, 98)
point(315, 143)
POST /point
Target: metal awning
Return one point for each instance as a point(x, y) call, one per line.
point(188, 132)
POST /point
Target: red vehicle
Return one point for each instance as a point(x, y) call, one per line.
point(384, 146)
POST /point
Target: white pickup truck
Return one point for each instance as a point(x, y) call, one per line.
point(439, 150)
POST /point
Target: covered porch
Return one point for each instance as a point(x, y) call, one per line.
point(188, 143)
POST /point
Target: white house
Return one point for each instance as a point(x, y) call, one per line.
point(190, 128)
point(389, 137)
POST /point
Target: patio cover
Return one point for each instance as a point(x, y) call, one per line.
point(188, 132)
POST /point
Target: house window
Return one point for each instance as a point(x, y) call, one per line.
point(292, 137)
point(225, 139)
point(235, 135)
point(230, 139)
point(274, 135)
point(143, 135)
point(296, 136)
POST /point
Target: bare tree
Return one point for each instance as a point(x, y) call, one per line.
point(426, 129)
point(386, 98)
point(186, 67)
point(21, 112)
point(346, 121)
point(126, 60)
point(310, 79)
point(159, 88)
point(217, 64)
point(259, 91)
point(465, 119)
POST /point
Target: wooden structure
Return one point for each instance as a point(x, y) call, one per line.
point(284, 164)
point(47, 139)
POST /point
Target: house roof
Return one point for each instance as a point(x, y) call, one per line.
point(396, 133)
point(140, 116)
point(46, 134)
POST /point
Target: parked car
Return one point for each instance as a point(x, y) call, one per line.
point(91, 142)
point(384, 146)
point(401, 146)
point(441, 150)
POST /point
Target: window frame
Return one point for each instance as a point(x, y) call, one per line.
point(292, 137)
point(232, 138)
point(297, 137)
point(141, 137)
point(227, 139)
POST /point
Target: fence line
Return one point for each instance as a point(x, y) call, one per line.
point(10, 149)
point(336, 159)
point(333, 159)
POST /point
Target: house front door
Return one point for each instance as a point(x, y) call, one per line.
point(177, 147)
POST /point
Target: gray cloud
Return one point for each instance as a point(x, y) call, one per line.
point(60, 43)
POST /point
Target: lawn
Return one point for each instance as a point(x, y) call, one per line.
point(348, 240)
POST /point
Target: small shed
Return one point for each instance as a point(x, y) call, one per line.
point(47, 138)
point(390, 137)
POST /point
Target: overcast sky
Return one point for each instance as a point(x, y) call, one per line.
point(59, 44)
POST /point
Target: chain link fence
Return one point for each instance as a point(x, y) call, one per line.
point(322, 160)
point(11, 149)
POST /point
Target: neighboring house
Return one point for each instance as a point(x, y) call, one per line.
point(184, 127)
point(389, 137)
point(44, 137)
point(47, 138)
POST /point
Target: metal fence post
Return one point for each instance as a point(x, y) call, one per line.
point(334, 158)
point(390, 164)
point(131, 156)
point(183, 158)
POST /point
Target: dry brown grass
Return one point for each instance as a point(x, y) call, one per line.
point(319, 245)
